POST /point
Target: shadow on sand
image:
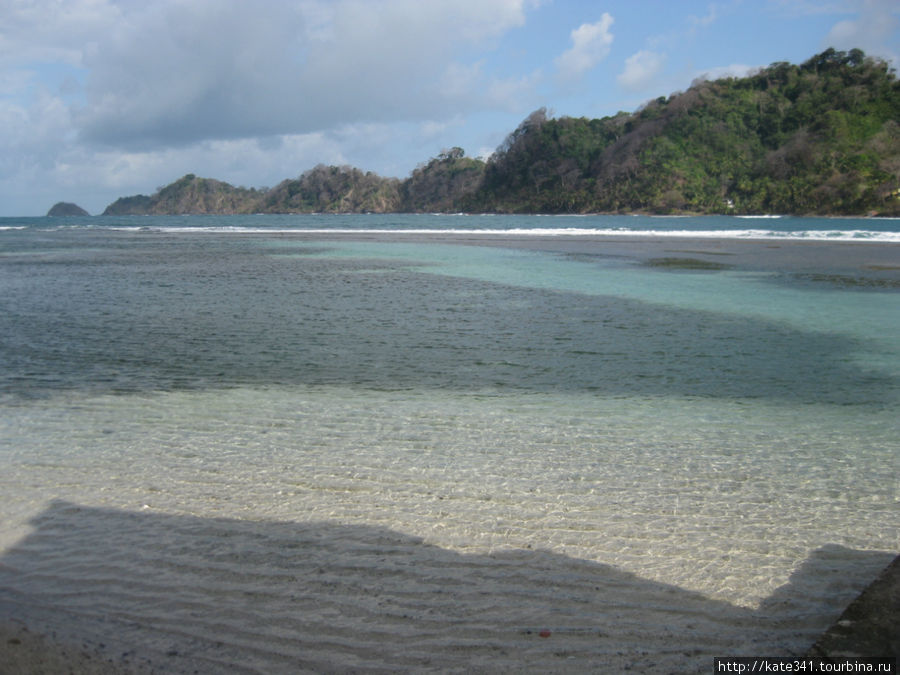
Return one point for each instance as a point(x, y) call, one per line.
point(172, 593)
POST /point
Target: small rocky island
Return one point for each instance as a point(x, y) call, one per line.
point(67, 209)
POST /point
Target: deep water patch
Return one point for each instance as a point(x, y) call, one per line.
point(693, 264)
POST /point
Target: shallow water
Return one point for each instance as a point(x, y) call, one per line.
point(691, 452)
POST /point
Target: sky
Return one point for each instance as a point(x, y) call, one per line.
point(101, 99)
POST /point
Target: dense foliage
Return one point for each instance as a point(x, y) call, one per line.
point(818, 138)
point(189, 194)
point(66, 209)
point(822, 137)
point(440, 185)
point(332, 189)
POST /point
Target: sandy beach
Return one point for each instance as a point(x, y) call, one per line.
point(209, 596)
point(24, 651)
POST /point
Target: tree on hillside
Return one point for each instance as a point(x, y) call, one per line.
point(441, 184)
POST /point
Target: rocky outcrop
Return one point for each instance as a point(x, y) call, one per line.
point(67, 209)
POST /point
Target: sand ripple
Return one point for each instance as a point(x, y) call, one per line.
point(225, 595)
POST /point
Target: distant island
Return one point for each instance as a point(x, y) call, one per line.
point(819, 138)
point(66, 209)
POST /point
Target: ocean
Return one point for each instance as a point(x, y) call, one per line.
point(445, 443)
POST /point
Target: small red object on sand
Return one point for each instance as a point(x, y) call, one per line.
point(544, 633)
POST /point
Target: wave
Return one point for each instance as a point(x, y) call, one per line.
point(753, 227)
point(759, 234)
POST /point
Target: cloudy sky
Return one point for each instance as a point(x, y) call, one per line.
point(106, 98)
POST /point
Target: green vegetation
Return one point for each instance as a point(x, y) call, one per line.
point(440, 185)
point(822, 137)
point(332, 189)
point(818, 138)
point(189, 194)
point(66, 209)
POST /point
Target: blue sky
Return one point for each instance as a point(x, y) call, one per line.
point(103, 98)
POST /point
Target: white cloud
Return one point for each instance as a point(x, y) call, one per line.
point(101, 97)
point(436, 129)
point(873, 30)
point(512, 94)
point(711, 16)
point(641, 70)
point(591, 43)
point(459, 79)
point(734, 70)
point(173, 73)
point(31, 135)
point(50, 30)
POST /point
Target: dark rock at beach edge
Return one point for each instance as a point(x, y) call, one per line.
point(870, 626)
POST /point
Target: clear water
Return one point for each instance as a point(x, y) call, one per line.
point(722, 445)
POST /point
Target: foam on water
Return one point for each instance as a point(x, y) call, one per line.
point(808, 235)
point(856, 230)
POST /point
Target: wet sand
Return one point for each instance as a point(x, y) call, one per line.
point(869, 627)
point(25, 652)
point(180, 594)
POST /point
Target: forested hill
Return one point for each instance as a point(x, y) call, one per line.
point(822, 137)
point(818, 138)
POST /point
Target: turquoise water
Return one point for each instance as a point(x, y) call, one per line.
point(708, 430)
